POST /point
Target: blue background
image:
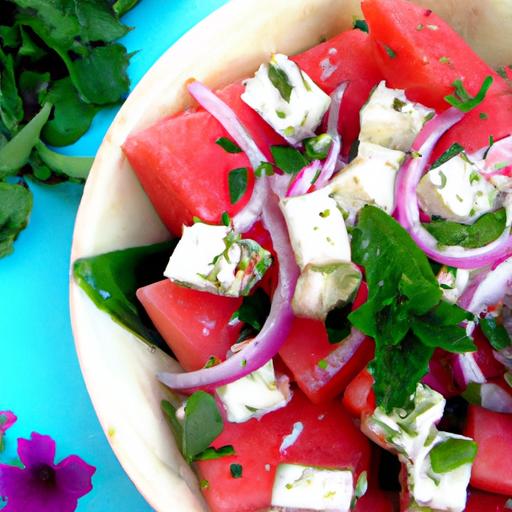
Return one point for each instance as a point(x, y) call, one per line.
point(40, 380)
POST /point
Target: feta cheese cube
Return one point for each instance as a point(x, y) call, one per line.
point(216, 260)
point(456, 191)
point(254, 395)
point(312, 488)
point(286, 98)
point(316, 227)
point(321, 288)
point(453, 282)
point(368, 179)
point(391, 120)
point(444, 492)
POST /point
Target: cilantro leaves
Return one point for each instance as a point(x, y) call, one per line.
point(201, 425)
point(462, 100)
point(59, 64)
point(483, 231)
point(404, 312)
point(288, 159)
point(237, 184)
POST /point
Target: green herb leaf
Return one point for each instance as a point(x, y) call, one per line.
point(391, 53)
point(253, 312)
point(317, 148)
point(11, 106)
point(76, 167)
point(212, 453)
point(451, 454)
point(495, 333)
point(264, 169)
point(288, 159)
point(121, 7)
point(451, 338)
point(15, 208)
point(237, 184)
point(360, 25)
point(462, 100)
point(71, 116)
point(280, 81)
point(14, 155)
point(228, 145)
point(482, 232)
point(452, 151)
point(235, 470)
point(111, 280)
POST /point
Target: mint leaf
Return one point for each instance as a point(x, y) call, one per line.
point(360, 25)
point(280, 81)
point(98, 21)
point(288, 159)
point(212, 453)
point(482, 232)
point(11, 106)
point(495, 333)
point(236, 470)
point(15, 208)
point(451, 338)
point(237, 184)
point(462, 99)
point(71, 116)
point(452, 151)
point(121, 7)
point(111, 280)
point(228, 145)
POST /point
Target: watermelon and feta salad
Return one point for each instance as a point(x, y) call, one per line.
point(339, 290)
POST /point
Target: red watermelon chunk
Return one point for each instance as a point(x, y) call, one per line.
point(329, 439)
point(194, 328)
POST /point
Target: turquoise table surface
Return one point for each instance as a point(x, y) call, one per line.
point(40, 379)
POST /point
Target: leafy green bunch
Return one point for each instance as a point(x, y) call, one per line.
point(59, 65)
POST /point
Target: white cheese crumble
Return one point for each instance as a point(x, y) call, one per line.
point(312, 488)
point(391, 120)
point(286, 98)
point(368, 179)
point(456, 191)
point(216, 260)
point(254, 395)
point(316, 227)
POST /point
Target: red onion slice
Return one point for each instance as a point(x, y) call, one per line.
point(277, 326)
point(331, 161)
point(303, 180)
point(499, 154)
point(229, 120)
point(407, 204)
point(466, 370)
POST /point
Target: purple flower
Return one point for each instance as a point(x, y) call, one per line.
point(41, 484)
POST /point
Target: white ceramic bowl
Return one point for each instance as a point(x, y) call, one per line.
point(118, 369)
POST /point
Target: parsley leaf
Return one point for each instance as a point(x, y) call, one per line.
point(15, 208)
point(253, 312)
point(404, 312)
point(288, 159)
point(360, 24)
point(237, 184)
point(452, 151)
point(462, 99)
point(483, 231)
point(280, 81)
point(202, 424)
point(228, 145)
point(495, 333)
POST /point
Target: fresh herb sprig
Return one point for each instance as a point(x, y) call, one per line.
point(59, 65)
point(404, 312)
point(462, 100)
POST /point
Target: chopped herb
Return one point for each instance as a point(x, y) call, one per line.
point(444, 60)
point(264, 169)
point(317, 148)
point(280, 81)
point(325, 213)
point(288, 159)
point(404, 313)
point(452, 151)
point(228, 145)
point(474, 177)
point(483, 115)
point(391, 53)
point(420, 26)
point(280, 114)
point(237, 183)
point(451, 454)
point(225, 219)
point(415, 154)
point(322, 364)
point(253, 312)
point(398, 104)
point(212, 361)
point(196, 220)
point(501, 165)
point(442, 175)
point(495, 333)
point(201, 426)
point(204, 484)
point(482, 232)
point(360, 25)
point(462, 100)
point(236, 470)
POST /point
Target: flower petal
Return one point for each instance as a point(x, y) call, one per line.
point(74, 476)
point(7, 420)
point(37, 450)
point(14, 481)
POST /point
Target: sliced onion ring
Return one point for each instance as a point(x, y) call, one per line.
point(408, 210)
point(229, 120)
point(331, 161)
point(303, 180)
point(275, 330)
